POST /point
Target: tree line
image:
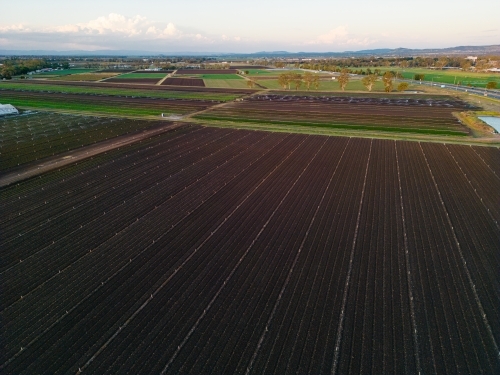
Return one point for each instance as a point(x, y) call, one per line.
point(14, 67)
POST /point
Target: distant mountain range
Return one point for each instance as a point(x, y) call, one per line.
point(460, 50)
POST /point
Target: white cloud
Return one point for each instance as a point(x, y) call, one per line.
point(341, 37)
point(334, 35)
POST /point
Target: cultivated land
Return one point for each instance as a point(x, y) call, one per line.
point(113, 105)
point(37, 135)
point(121, 90)
point(448, 76)
point(208, 250)
point(403, 115)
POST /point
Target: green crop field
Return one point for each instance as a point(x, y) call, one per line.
point(226, 83)
point(448, 76)
point(141, 75)
point(256, 72)
point(65, 72)
point(165, 94)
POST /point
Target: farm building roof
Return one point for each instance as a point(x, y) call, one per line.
point(8, 109)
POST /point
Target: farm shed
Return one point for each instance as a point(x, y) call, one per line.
point(8, 109)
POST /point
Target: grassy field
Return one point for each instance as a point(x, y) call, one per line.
point(65, 72)
point(226, 83)
point(256, 72)
point(447, 76)
point(165, 94)
point(141, 75)
point(327, 85)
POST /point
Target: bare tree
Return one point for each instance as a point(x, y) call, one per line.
point(343, 79)
point(369, 80)
point(387, 78)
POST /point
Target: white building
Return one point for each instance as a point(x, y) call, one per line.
point(8, 109)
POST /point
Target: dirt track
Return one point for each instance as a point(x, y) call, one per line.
point(48, 164)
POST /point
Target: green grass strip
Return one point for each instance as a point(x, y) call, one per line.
point(335, 126)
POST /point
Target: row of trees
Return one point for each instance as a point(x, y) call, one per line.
point(14, 67)
point(295, 80)
point(286, 80)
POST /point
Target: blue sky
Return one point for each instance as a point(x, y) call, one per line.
point(250, 26)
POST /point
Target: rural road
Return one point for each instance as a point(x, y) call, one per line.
point(48, 164)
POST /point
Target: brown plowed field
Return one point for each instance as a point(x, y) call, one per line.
point(184, 82)
point(153, 71)
point(206, 71)
point(140, 81)
point(115, 71)
point(222, 251)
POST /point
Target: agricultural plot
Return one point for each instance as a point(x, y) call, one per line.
point(34, 136)
point(211, 250)
point(119, 90)
point(184, 82)
point(132, 106)
point(139, 75)
point(432, 116)
point(206, 71)
point(139, 81)
point(65, 72)
point(85, 76)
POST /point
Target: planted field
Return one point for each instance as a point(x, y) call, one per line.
point(206, 71)
point(418, 116)
point(85, 77)
point(211, 250)
point(184, 82)
point(33, 136)
point(227, 83)
point(140, 81)
point(133, 106)
point(119, 90)
point(137, 75)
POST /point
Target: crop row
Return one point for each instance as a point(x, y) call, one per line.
point(225, 251)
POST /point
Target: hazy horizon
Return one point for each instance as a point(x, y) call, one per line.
point(221, 26)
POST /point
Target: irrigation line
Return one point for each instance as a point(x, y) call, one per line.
point(484, 161)
point(135, 196)
point(475, 191)
point(340, 327)
point(128, 263)
point(464, 262)
point(121, 231)
point(77, 189)
point(188, 335)
point(157, 290)
point(287, 280)
point(408, 273)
